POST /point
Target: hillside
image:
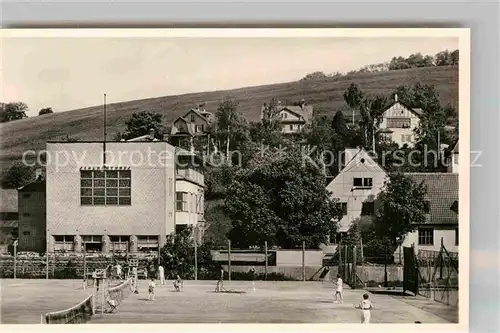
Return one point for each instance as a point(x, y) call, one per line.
point(324, 94)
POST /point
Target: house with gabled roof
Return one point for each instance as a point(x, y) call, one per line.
point(293, 118)
point(356, 186)
point(442, 213)
point(195, 123)
point(399, 122)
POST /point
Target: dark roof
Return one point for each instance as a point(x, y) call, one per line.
point(442, 193)
point(418, 111)
point(8, 201)
point(36, 186)
point(305, 113)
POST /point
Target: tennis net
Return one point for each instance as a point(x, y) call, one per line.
point(120, 292)
point(78, 314)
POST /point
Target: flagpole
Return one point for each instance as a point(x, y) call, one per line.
point(104, 138)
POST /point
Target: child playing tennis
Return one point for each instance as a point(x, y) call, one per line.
point(338, 293)
point(151, 289)
point(365, 306)
point(178, 284)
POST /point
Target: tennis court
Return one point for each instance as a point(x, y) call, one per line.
point(272, 302)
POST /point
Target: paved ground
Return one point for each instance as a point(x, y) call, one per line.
point(273, 302)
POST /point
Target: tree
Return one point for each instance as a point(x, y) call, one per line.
point(45, 111)
point(141, 123)
point(69, 138)
point(339, 124)
point(282, 200)
point(353, 96)
point(13, 111)
point(17, 175)
point(314, 76)
point(177, 255)
point(231, 127)
point(454, 57)
point(401, 208)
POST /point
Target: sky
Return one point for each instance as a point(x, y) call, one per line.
point(72, 73)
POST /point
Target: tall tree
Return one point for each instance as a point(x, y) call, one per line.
point(231, 127)
point(141, 123)
point(281, 199)
point(45, 111)
point(401, 207)
point(353, 96)
point(13, 111)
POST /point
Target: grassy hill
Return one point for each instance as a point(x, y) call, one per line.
point(324, 94)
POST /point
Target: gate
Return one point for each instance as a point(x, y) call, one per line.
point(410, 272)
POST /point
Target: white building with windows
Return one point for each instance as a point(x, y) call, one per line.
point(125, 201)
point(399, 122)
point(357, 186)
point(442, 213)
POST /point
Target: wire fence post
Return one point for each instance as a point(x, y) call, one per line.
point(303, 260)
point(195, 254)
point(265, 251)
point(84, 262)
point(15, 258)
point(229, 259)
point(354, 268)
point(47, 258)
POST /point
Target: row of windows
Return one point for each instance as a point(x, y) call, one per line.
point(368, 208)
point(94, 243)
point(426, 236)
point(398, 122)
point(362, 182)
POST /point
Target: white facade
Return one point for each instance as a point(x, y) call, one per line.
point(452, 160)
point(347, 188)
point(130, 198)
point(421, 241)
point(399, 124)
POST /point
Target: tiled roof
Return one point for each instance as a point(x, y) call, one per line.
point(8, 201)
point(305, 112)
point(442, 193)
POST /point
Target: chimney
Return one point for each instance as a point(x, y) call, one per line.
point(152, 134)
point(38, 174)
point(395, 97)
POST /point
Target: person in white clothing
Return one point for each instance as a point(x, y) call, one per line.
point(161, 272)
point(365, 306)
point(151, 289)
point(338, 293)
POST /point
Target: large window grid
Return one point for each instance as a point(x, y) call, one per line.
point(105, 187)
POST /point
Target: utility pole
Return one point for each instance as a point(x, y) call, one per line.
point(195, 254)
point(265, 249)
point(229, 260)
point(385, 267)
